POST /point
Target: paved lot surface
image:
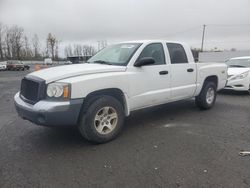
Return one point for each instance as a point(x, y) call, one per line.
point(173, 145)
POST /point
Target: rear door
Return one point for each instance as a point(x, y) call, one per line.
point(183, 72)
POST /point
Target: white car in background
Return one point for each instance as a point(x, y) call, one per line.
point(3, 65)
point(238, 74)
point(48, 61)
point(67, 63)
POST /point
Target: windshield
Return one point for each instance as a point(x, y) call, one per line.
point(238, 63)
point(118, 54)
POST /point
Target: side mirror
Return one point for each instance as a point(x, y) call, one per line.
point(144, 61)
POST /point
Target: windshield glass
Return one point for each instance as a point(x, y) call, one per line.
point(118, 54)
point(238, 63)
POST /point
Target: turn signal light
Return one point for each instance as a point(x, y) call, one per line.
point(66, 92)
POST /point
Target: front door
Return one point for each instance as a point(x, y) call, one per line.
point(152, 82)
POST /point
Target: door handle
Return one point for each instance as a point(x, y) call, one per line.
point(163, 72)
point(190, 70)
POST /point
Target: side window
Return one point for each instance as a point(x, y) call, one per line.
point(177, 53)
point(155, 51)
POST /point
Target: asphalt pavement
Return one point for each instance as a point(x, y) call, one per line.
point(172, 145)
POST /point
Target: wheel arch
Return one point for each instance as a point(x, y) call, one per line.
point(212, 78)
point(114, 92)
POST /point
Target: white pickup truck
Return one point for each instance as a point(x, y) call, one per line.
point(97, 95)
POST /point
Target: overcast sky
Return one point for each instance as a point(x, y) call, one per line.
point(84, 21)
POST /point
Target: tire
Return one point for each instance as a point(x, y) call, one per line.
point(103, 120)
point(207, 97)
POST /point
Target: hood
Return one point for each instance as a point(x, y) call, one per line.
point(66, 71)
point(236, 71)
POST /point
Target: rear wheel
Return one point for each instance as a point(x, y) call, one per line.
point(207, 97)
point(103, 120)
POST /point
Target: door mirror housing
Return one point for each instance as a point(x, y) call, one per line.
point(144, 61)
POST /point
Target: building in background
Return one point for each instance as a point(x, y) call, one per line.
point(221, 56)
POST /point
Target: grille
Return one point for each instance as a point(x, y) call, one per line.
point(31, 90)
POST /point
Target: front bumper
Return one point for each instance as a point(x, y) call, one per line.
point(49, 113)
point(238, 85)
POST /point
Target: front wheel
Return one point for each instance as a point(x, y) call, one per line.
point(207, 97)
point(103, 120)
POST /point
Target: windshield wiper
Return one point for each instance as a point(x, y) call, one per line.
point(236, 66)
point(102, 62)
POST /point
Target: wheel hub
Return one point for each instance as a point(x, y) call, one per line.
point(210, 95)
point(105, 120)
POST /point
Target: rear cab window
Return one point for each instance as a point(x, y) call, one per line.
point(177, 53)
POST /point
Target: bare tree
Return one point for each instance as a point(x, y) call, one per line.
point(27, 52)
point(15, 45)
point(16, 41)
point(36, 46)
point(77, 50)
point(102, 44)
point(1, 41)
point(7, 41)
point(57, 49)
point(88, 50)
point(85, 50)
point(51, 42)
point(68, 51)
point(44, 52)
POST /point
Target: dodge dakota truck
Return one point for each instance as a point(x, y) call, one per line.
point(98, 95)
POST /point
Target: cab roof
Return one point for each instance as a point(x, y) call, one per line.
point(152, 41)
point(243, 57)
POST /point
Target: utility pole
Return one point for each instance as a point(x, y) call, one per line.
point(203, 36)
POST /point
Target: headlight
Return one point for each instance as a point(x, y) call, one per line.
point(241, 76)
point(58, 90)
